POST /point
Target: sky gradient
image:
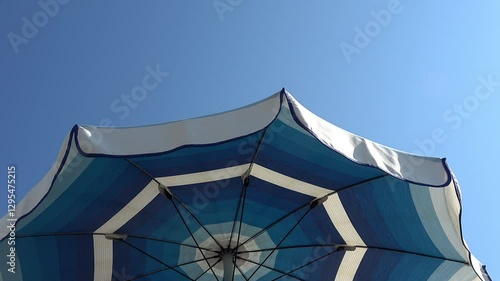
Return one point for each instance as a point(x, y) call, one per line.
point(417, 76)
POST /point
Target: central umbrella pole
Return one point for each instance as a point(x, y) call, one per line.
point(227, 263)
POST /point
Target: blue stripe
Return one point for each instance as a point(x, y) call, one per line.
point(423, 201)
point(194, 159)
point(156, 221)
point(384, 216)
point(299, 155)
point(48, 257)
point(266, 203)
point(387, 265)
point(315, 228)
point(130, 262)
point(101, 190)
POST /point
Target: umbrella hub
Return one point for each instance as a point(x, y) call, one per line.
point(226, 252)
point(236, 256)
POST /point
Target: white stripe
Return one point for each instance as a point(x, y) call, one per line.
point(443, 271)
point(165, 137)
point(103, 247)
point(341, 221)
point(133, 207)
point(349, 265)
point(201, 177)
point(103, 258)
point(447, 208)
point(477, 267)
point(288, 182)
point(466, 273)
point(333, 205)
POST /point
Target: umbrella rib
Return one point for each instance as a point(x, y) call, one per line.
point(103, 234)
point(281, 241)
point(196, 219)
point(236, 216)
point(356, 184)
point(166, 268)
point(176, 198)
point(304, 265)
point(273, 269)
point(408, 252)
point(156, 259)
point(245, 181)
point(241, 223)
point(307, 204)
point(209, 268)
point(355, 246)
point(194, 238)
point(176, 243)
point(294, 247)
point(274, 223)
point(241, 272)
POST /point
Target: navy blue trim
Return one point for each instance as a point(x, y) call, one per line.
point(459, 197)
point(297, 120)
point(59, 169)
point(485, 273)
point(282, 94)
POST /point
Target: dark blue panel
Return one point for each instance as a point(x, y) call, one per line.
point(97, 194)
point(385, 216)
point(213, 203)
point(361, 207)
point(192, 159)
point(388, 265)
point(315, 228)
point(323, 269)
point(56, 257)
point(158, 220)
point(131, 262)
point(76, 257)
point(377, 265)
point(303, 157)
point(266, 203)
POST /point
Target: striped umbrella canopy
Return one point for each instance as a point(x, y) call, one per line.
point(269, 191)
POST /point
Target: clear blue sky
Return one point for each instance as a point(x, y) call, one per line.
point(397, 72)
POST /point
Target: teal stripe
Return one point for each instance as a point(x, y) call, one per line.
point(65, 178)
point(429, 219)
point(401, 217)
point(415, 268)
point(446, 271)
point(89, 186)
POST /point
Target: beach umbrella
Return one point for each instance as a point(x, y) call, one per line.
point(269, 191)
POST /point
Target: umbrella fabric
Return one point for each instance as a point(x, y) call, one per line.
point(265, 192)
